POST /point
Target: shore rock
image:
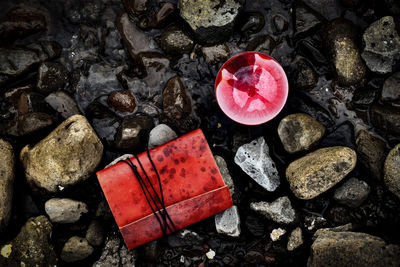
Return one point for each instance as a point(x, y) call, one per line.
point(392, 171)
point(160, 135)
point(215, 54)
point(305, 77)
point(279, 211)
point(66, 156)
point(64, 104)
point(385, 118)
point(123, 101)
point(320, 170)
point(255, 161)
point(276, 234)
point(226, 177)
point(131, 132)
point(390, 91)
point(76, 249)
point(352, 193)
point(115, 253)
point(52, 76)
point(299, 132)
point(33, 122)
point(175, 41)
point(94, 233)
point(7, 162)
point(228, 222)
point(295, 239)
point(64, 210)
point(306, 19)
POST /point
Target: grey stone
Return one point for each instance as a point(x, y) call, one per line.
point(228, 222)
point(216, 53)
point(115, 253)
point(33, 122)
point(279, 211)
point(174, 40)
point(341, 228)
point(65, 210)
point(306, 19)
point(64, 104)
point(223, 169)
point(185, 237)
point(76, 249)
point(262, 43)
point(352, 249)
point(299, 132)
point(130, 132)
point(160, 135)
point(255, 161)
point(52, 76)
point(95, 233)
point(68, 155)
point(295, 239)
point(352, 193)
point(391, 89)
point(7, 163)
point(385, 117)
point(382, 45)
point(320, 170)
point(392, 171)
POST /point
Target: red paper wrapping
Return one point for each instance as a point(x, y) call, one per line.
point(192, 186)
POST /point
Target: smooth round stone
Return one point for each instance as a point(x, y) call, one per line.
point(160, 135)
point(392, 171)
point(122, 101)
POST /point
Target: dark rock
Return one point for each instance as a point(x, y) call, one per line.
point(164, 14)
point(19, 23)
point(31, 102)
point(174, 40)
point(363, 97)
point(155, 69)
point(340, 38)
point(52, 76)
point(61, 102)
point(385, 118)
point(263, 44)
point(382, 45)
point(185, 238)
point(351, 3)
point(211, 22)
point(280, 23)
point(371, 153)
point(306, 19)
point(136, 7)
point(12, 95)
point(78, 12)
point(391, 89)
point(76, 249)
point(7, 162)
point(215, 54)
point(329, 9)
point(33, 122)
point(131, 132)
point(352, 193)
point(304, 76)
point(392, 170)
point(251, 22)
point(254, 257)
point(115, 253)
point(31, 247)
point(94, 233)
point(151, 251)
point(123, 101)
point(255, 226)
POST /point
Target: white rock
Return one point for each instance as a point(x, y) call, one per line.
point(228, 222)
point(210, 254)
point(160, 135)
point(280, 211)
point(255, 161)
point(277, 233)
point(64, 210)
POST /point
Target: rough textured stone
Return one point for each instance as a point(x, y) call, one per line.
point(7, 162)
point(31, 247)
point(211, 21)
point(306, 19)
point(52, 76)
point(216, 53)
point(115, 253)
point(352, 249)
point(160, 135)
point(304, 76)
point(295, 239)
point(385, 118)
point(33, 122)
point(262, 43)
point(228, 222)
point(320, 170)
point(65, 210)
point(31, 102)
point(123, 101)
point(382, 45)
point(131, 131)
point(94, 233)
point(255, 161)
point(64, 104)
point(299, 132)
point(223, 169)
point(392, 171)
point(76, 249)
point(174, 40)
point(279, 211)
point(352, 193)
point(276, 234)
point(371, 153)
point(391, 89)
point(66, 156)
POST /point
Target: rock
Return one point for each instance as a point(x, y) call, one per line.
point(20, 22)
point(385, 118)
point(280, 23)
point(364, 97)
point(340, 38)
point(160, 135)
point(320, 170)
point(299, 132)
point(123, 101)
point(382, 45)
point(392, 170)
point(76, 249)
point(31, 102)
point(31, 247)
point(262, 43)
point(295, 239)
point(115, 161)
point(306, 19)
point(151, 251)
point(226, 177)
point(175, 41)
point(215, 54)
point(341, 228)
point(115, 253)
point(304, 76)
point(68, 155)
point(254, 257)
point(65, 210)
point(352, 193)
point(371, 153)
point(52, 76)
point(352, 249)
point(279, 211)
point(228, 222)
point(185, 238)
point(250, 23)
point(255, 226)
point(255, 161)
point(131, 131)
point(276, 234)
point(136, 7)
point(33, 122)
point(211, 22)
point(391, 89)
point(13, 95)
point(6, 182)
point(94, 233)
point(64, 104)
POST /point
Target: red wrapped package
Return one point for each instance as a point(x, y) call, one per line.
point(191, 183)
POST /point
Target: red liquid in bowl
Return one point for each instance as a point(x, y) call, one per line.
point(251, 88)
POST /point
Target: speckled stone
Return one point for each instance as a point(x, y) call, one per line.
point(392, 171)
point(7, 162)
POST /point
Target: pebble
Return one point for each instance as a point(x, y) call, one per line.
point(299, 132)
point(392, 170)
point(115, 253)
point(31, 247)
point(390, 91)
point(65, 210)
point(76, 249)
point(385, 118)
point(68, 155)
point(31, 102)
point(320, 170)
point(215, 54)
point(131, 131)
point(7, 163)
point(352, 193)
point(123, 101)
point(306, 19)
point(174, 40)
point(176, 102)
point(52, 76)
point(254, 257)
point(295, 239)
point(352, 249)
point(382, 45)
point(226, 177)
point(253, 158)
point(33, 122)
point(160, 135)
point(262, 43)
point(276, 234)
point(279, 211)
point(64, 104)
point(228, 222)
point(210, 254)
point(185, 238)
point(305, 77)
point(94, 233)
point(13, 95)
